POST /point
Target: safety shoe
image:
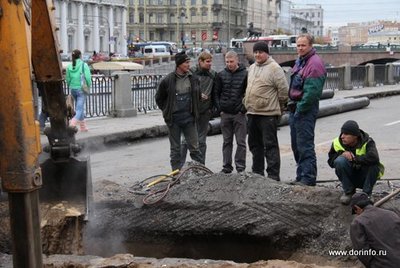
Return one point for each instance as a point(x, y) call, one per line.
point(226, 171)
point(345, 198)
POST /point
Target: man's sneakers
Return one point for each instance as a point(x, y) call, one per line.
point(345, 198)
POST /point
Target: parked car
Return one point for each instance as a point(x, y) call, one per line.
point(118, 56)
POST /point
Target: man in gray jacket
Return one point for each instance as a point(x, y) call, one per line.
point(375, 233)
point(266, 96)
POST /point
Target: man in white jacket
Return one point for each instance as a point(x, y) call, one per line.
point(266, 95)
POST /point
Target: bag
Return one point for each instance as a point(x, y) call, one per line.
point(296, 87)
point(84, 86)
point(69, 101)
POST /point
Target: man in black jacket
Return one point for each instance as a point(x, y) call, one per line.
point(356, 161)
point(230, 88)
point(375, 234)
point(178, 97)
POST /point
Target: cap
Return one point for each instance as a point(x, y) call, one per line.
point(358, 199)
point(181, 58)
point(351, 127)
point(261, 46)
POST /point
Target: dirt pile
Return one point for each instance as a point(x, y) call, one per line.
point(239, 217)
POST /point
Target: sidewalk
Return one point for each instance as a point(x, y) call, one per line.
point(110, 130)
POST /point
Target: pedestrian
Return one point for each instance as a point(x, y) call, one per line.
point(230, 89)
point(207, 102)
point(375, 233)
point(178, 96)
point(75, 82)
point(306, 84)
point(355, 159)
point(266, 97)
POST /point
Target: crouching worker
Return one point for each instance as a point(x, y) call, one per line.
point(375, 233)
point(355, 159)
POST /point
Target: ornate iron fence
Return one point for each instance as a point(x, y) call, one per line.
point(380, 74)
point(333, 77)
point(358, 76)
point(143, 91)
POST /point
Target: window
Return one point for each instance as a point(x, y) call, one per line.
point(85, 14)
point(193, 2)
point(131, 16)
point(183, 2)
point(160, 18)
point(141, 18)
point(193, 12)
point(69, 11)
point(204, 12)
point(172, 18)
point(204, 2)
point(160, 2)
point(173, 2)
point(101, 16)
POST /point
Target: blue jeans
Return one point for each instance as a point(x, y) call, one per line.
point(189, 130)
point(79, 98)
point(302, 127)
point(364, 177)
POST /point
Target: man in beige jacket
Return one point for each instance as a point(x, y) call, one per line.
point(266, 95)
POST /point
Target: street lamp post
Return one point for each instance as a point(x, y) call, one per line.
point(182, 32)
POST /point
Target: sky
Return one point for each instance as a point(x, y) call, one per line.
point(341, 12)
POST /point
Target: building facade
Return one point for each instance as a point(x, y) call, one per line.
point(186, 22)
point(91, 25)
point(312, 18)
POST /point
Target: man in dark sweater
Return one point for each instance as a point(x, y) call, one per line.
point(230, 88)
point(207, 80)
point(178, 97)
point(375, 233)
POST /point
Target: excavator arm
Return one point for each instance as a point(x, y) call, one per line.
point(28, 46)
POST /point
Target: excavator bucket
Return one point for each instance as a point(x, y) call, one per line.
point(68, 182)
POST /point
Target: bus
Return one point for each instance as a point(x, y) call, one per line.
point(272, 41)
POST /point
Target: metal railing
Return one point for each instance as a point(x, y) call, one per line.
point(380, 74)
point(144, 86)
point(143, 91)
point(98, 102)
point(333, 78)
point(358, 76)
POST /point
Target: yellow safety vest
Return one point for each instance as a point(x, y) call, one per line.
point(337, 146)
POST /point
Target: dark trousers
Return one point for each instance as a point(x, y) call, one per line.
point(202, 130)
point(352, 178)
point(263, 142)
point(234, 124)
point(189, 131)
point(302, 127)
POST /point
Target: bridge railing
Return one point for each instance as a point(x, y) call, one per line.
point(358, 76)
point(333, 77)
point(101, 102)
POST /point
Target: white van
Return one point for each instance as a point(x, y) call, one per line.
point(152, 51)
